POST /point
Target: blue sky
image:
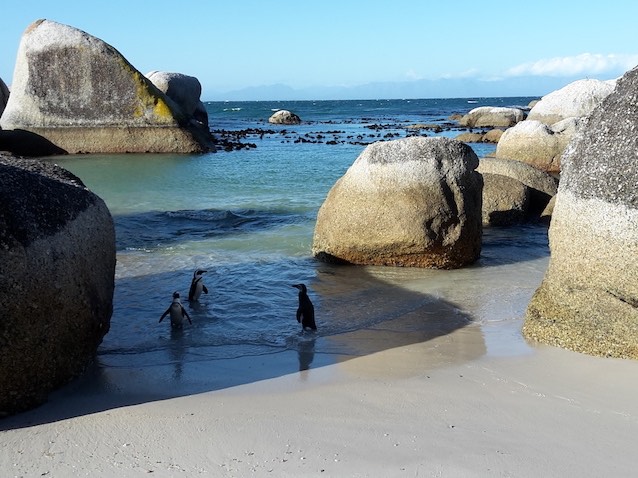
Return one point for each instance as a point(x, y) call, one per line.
point(250, 49)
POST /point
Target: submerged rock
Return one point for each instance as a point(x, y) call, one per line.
point(408, 202)
point(57, 272)
point(81, 94)
point(588, 300)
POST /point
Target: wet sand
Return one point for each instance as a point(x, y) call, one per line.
point(449, 406)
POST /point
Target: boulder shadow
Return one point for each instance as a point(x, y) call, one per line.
point(180, 363)
point(26, 143)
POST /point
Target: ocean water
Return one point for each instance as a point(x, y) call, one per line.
point(247, 217)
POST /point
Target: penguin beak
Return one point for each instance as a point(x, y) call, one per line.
point(296, 286)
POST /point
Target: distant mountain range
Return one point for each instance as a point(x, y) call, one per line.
point(441, 88)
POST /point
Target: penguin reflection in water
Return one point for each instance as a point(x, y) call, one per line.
point(306, 311)
point(177, 313)
point(197, 286)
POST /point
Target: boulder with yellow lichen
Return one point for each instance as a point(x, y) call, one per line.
point(81, 95)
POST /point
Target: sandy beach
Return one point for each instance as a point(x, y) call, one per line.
point(442, 407)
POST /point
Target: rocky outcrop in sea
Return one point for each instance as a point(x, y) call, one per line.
point(284, 117)
point(185, 91)
point(408, 202)
point(82, 96)
point(492, 116)
point(588, 300)
point(57, 272)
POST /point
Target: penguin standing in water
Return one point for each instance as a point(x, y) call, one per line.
point(306, 311)
point(177, 312)
point(197, 286)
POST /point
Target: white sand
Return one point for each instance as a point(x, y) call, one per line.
point(417, 410)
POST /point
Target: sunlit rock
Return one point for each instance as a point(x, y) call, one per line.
point(588, 300)
point(82, 95)
point(409, 202)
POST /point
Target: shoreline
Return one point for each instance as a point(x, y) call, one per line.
point(404, 411)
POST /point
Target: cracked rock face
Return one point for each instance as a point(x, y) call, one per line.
point(409, 202)
point(588, 300)
point(57, 270)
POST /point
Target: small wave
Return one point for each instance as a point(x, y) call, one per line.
point(232, 109)
point(141, 232)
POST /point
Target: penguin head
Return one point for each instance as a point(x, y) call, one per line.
point(199, 272)
point(175, 295)
point(301, 287)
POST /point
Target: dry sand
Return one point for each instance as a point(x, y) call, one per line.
point(418, 410)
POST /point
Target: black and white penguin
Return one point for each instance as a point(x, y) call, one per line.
point(177, 312)
point(306, 311)
point(197, 286)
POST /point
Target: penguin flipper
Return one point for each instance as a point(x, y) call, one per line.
point(204, 289)
point(299, 315)
point(164, 314)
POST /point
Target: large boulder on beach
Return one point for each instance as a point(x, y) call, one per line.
point(4, 96)
point(542, 186)
point(588, 300)
point(57, 272)
point(576, 100)
point(538, 144)
point(492, 116)
point(409, 202)
point(185, 91)
point(83, 96)
point(284, 117)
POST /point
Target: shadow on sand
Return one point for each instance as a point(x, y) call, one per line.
point(383, 314)
point(338, 290)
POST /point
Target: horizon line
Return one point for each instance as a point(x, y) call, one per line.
point(378, 99)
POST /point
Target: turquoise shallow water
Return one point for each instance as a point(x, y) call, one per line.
point(247, 217)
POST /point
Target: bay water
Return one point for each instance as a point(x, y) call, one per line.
point(247, 217)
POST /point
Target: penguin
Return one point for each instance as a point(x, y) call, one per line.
point(177, 312)
point(306, 311)
point(197, 286)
